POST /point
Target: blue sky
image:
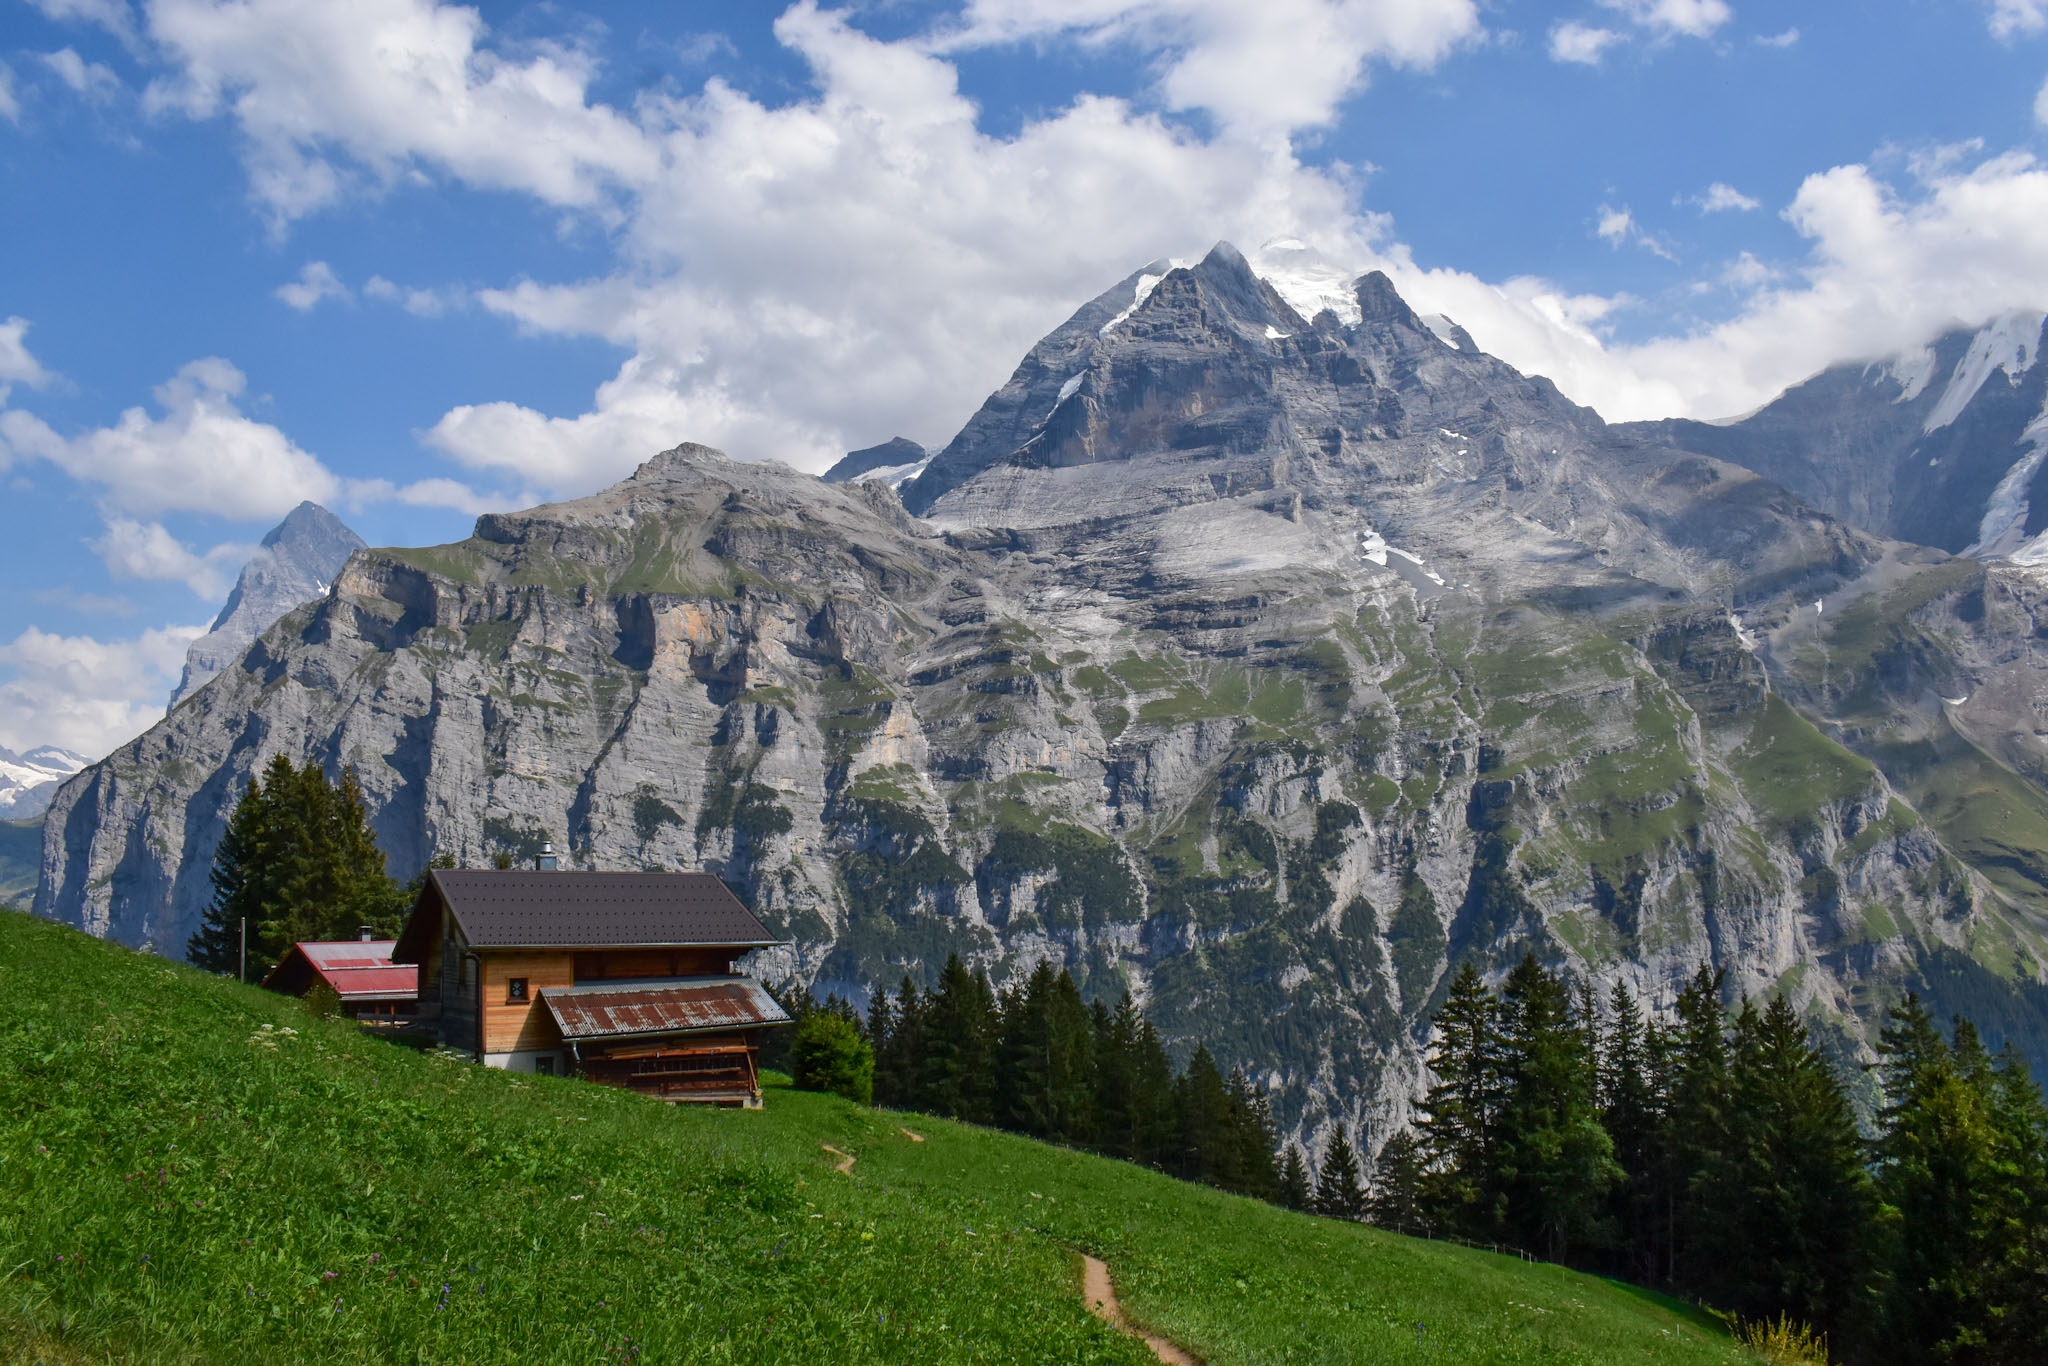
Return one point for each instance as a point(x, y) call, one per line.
point(416, 260)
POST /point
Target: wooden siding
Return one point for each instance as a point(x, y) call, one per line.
point(605, 965)
point(510, 1026)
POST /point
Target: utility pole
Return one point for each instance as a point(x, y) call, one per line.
point(242, 966)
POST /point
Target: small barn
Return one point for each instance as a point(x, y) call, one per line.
point(372, 988)
point(630, 979)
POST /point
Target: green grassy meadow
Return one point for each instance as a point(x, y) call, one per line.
point(191, 1170)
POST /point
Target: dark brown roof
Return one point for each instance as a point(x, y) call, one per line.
point(517, 908)
point(694, 1005)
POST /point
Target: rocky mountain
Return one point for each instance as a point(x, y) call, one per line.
point(1944, 447)
point(895, 462)
point(1267, 666)
point(28, 781)
point(296, 562)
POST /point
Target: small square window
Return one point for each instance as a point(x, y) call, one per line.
point(515, 989)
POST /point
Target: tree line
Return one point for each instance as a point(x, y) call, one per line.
point(1716, 1153)
point(1036, 1060)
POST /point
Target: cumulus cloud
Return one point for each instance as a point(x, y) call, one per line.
point(327, 96)
point(1263, 69)
point(17, 366)
point(145, 550)
point(1674, 18)
point(1618, 228)
point(112, 15)
point(1572, 41)
point(1722, 198)
point(85, 694)
point(200, 455)
point(96, 82)
point(421, 303)
point(316, 281)
point(2013, 18)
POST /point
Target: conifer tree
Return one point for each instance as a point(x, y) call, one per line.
point(1628, 1111)
point(1203, 1105)
point(1114, 1047)
point(1790, 1202)
point(1693, 1134)
point(297, 862)
point(1338, 1192)
point(1396, 1200)
point(1246, 1159)
point(1045, 1083)
point(1458, 1115)
point(1154, 1102)
point(959, 1041)
point(1295, 1192)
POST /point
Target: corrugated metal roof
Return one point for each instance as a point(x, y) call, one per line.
point(355, 968)
point(689, 1005)
point(516, 908)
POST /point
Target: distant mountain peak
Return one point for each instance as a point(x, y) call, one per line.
point(894, 461)
point(296, 562)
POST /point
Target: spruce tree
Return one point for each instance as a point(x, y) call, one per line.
point(1295, 1192)
point(298, 862)
point(1202, 1103)
point(1788, 1200)
point(1628, 1111)
point(1154, 1102)
point(1396, 1200)
point(1338, 1192)
point(958, 1046)
point(1694, 1131)
point(1456, 1130)
point(1115, 1037)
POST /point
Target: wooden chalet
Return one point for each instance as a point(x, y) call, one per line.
point(372, 988)
point(624, 978)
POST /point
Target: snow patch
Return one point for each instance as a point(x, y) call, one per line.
point(1443, 329)
point(1743, 635)
point(1911, 372)
point(1071, 387)
point(2007, 343)
point(895, 476)
point(1275, 334)
point(1373, 546)
point(2002, 532)
point(1957, 701)
point(1146, 284)
point(1307, 280)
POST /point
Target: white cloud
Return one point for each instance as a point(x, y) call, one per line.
point(1745, 272)
point(1616, 226)
point(10, 107)
point(1778, 40)
point(332, 95)
point(1262, 69)
point(201, 455)
point(85, 694)
point(1572, 41)
point(112, 15)
point(2010, 18)
point(1721, 198)
point(145, 550)
point(17, 366)
point(1674, 18)
point(96, 82)
point(2041, 105)
point(421, 303)
point(316, 281)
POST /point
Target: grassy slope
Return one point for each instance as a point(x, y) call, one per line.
point(177, 1183)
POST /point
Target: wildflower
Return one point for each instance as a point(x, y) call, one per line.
point(329, 1275)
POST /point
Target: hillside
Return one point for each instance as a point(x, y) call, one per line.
point(182, 1179)
point(21, 858)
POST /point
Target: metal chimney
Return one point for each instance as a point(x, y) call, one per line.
point(546, 862)
point(364, 933)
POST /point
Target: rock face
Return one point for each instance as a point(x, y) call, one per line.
point(1263, 666)
point(295, 564)
point(1945, 448)
point(28, 781)
point(896, 461)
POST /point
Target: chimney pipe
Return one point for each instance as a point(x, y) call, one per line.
point(365, 934)
point(546, 862)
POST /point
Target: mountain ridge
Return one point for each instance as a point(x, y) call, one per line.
point(1266, 676)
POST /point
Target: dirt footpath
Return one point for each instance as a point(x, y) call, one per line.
point(1100, 1293)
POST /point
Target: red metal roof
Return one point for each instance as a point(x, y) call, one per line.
point(356, 969)
point(691, 1005)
